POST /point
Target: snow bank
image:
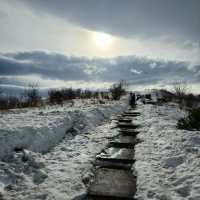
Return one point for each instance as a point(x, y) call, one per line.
point(168, 161)
point(42, 128)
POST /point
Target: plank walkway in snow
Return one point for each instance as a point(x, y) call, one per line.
point(113, 176)
point(115, 183)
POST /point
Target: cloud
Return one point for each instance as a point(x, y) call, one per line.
point(59, 67)
point(156, 28)
point(47, 65)
point(129, 18)
point(134, 71)
point(153, 65)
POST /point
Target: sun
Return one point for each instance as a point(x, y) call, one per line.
point(103, 40)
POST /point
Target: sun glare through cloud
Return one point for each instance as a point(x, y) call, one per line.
point(103, 40)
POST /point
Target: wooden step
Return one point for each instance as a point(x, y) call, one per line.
point(113, 165)
point(128, 132)
point(115, 155)
point(124, 142)
point(125, 120)
point(127, 125)
point(132, 113)
point(112, 184)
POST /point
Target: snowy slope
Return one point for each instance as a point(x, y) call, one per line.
point(41, 128)
point(168, 160)
point(58, 173)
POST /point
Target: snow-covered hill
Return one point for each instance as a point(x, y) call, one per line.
point(168, 159)
point(41, 128)
point(56, 165)
point(66, 136)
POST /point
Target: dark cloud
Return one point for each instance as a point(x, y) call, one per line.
point(129, 17)
point(60, 67)
point(53, 66)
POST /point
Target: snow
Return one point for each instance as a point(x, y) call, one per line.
point(168, 159)
point(40, 129)
point(54, 149)
point(48, 153)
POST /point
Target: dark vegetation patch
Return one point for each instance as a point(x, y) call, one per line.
point(191, 122)
point(31, 96)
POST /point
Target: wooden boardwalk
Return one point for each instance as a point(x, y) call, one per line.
point(115, 183)
point(113, 176)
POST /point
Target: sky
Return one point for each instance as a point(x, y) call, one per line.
point(94, 43)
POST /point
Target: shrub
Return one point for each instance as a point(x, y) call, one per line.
point(192, 121)
point(191, 101)
point(86, 94)
point(3, 103)
point(32, 96)
point(165, 96)
point(55, 96)
point(180, 89)
point(13, 102)
point(117, 90)
point(9, 102)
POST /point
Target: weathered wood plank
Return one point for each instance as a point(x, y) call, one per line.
point(127, 125)
point(123, 141)
point(115, 155)
point(113, 183)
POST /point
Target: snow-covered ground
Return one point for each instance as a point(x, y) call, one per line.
point(168, 159)
point(60, 143)
point(41, 172)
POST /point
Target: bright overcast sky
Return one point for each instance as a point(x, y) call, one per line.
point(154, 28)
point(166, 30)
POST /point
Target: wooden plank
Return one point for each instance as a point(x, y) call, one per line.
point(132, 113)
point(113, 165)
point(128, 132)
point(113, 183)
point(124, 141)
point(127, 125)
point(115, 155)
point(125, 120)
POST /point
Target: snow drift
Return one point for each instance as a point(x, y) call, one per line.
point(40, 129)
point(167, 159)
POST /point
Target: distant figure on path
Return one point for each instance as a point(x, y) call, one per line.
point(143, 99)
point(132, 99)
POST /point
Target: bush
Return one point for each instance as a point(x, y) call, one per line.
point(191, 101)
point(117, 90)
point(192, 121)
point(31, 95)
point(3, 103)
point(55, 96)
point(180, 89)
point(9, 102)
